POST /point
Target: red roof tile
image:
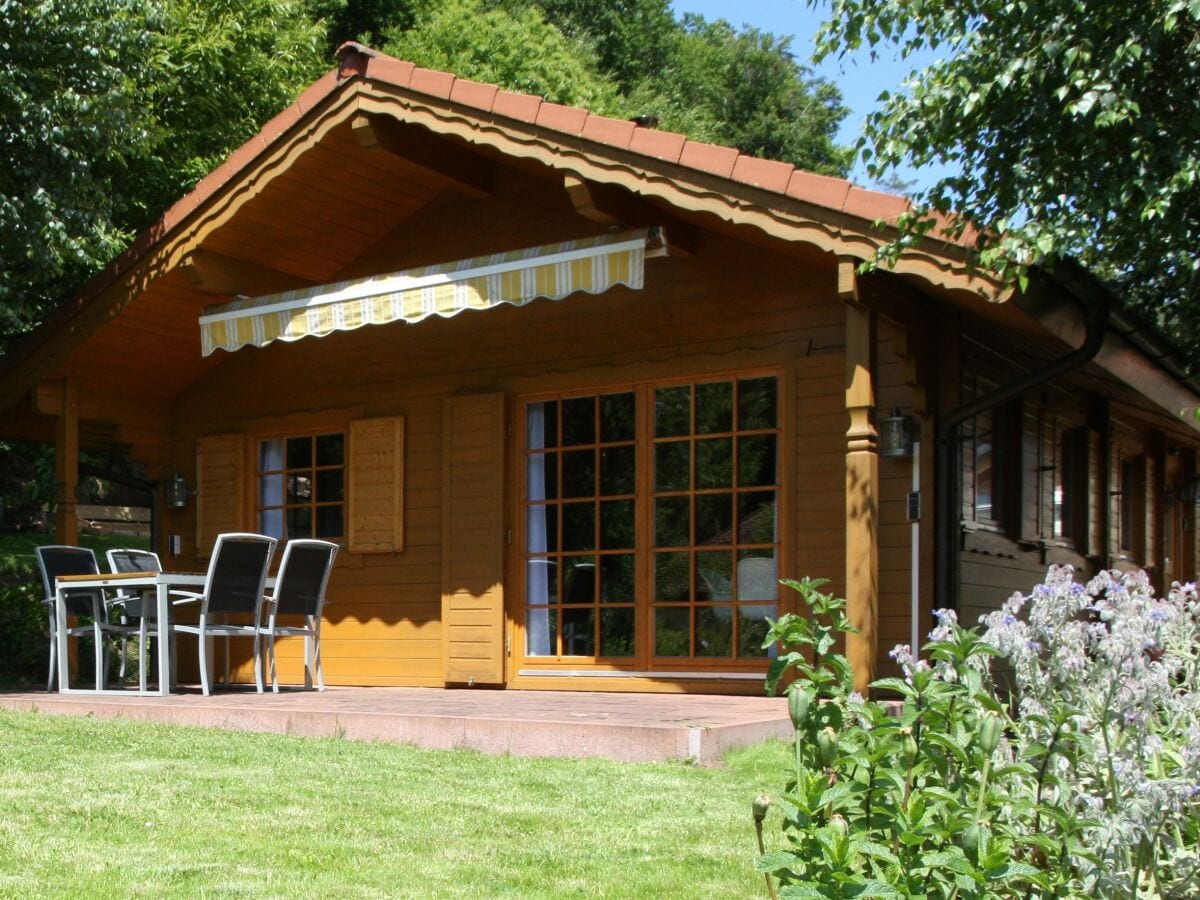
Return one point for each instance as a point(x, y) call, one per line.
point(603, 130)
point(823, 190)
point(874, 204)
point(317, 91)
point(474, 93)
point(710, 158)
point(522, 107)
point(764, 173)
point(568, 119)
point(428, 81)
point(659, 144)
point(393, 71)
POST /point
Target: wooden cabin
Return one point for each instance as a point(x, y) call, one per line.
point(573, 394)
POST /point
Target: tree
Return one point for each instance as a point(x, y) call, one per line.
point(112, 109)
point(1074, 124)
point(70, 115)
point(745, 89)
point(484, 41)
point(223, 68)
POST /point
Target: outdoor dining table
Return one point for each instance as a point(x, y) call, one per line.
point(162, 583)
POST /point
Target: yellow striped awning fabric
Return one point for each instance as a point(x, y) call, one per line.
point(552, 271)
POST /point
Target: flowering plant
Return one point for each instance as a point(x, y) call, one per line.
point(1072, 770)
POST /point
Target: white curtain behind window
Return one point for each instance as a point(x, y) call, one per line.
point(537, 581)
point(270, 521)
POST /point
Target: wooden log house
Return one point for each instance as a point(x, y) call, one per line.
point(573, 394)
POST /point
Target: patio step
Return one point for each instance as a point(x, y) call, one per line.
point(621, 726)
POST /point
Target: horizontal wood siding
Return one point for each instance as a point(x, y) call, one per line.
point(473, 540)
point(220, 488)
point(375, 474)
point(729, 307)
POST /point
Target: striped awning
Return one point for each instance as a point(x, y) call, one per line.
point(552, 271)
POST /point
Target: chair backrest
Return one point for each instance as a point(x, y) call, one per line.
point(237, 572)
point(62, 559)
point(129, 560)
point(303, 576)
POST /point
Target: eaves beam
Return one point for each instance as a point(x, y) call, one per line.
point(430, 155)
point(216, 273)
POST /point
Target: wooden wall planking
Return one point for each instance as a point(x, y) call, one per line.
point(685, 322)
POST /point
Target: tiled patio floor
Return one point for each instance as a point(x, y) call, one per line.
point(622, 726)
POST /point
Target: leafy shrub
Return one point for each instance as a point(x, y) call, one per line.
point(1085, 781)
point(23, 627)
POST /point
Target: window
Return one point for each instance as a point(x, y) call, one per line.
point(715, 536)
point(1071, 488)
point(1131, 519)
point(301, 486)
point(581, 476)
point(650, 521)
point(993, 451)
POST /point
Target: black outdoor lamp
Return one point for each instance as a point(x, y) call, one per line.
point(896, 435)
point(177, 491)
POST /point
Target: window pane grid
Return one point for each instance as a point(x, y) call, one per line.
point(580, 534)
point(302, 486)
point(729, 542)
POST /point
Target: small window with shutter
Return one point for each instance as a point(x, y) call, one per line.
point(301, 486)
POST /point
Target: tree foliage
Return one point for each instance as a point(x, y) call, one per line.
point(112, 109)
point(482, 41)
point(1074, 124)
point(70, 116)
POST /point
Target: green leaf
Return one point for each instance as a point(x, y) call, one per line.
point(776, 861)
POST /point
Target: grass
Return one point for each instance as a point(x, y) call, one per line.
point(17, 547)
point(101, 808)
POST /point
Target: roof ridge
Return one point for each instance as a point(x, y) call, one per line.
point(773, 176)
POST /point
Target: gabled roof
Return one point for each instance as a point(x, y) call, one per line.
point(782, 202)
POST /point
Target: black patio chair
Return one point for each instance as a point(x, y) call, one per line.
point(234, 585)
point(56, 560)
point(300, 592)
point(134, 604)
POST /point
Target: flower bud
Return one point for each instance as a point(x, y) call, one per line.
point(838, 824)
point(989, 733)
point(909, 748)
point(761, 804)
point(798, 703)
point(827, 746)
point(973, 839)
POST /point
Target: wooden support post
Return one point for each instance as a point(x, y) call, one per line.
point(66, 465)
point(862, 482)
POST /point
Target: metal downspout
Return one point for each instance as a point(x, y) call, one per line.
point(947, 469)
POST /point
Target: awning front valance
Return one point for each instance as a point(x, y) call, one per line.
point(552, 271)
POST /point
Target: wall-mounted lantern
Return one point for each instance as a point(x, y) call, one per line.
point(177, 491)
point(896, 435)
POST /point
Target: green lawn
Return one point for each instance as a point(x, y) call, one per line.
point(104, 808)
point(18, 546)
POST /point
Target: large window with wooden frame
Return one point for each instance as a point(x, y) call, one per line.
point(301, 486)
point(992, 445)
point(1071, 481)
point(650, 530)
point(1131, 513)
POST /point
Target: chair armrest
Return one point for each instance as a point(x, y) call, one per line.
point(186, 597)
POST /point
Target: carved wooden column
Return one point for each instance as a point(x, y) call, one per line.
point(66, 465)
point(862, 482)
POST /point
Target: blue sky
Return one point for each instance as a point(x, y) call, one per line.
point(860, 78)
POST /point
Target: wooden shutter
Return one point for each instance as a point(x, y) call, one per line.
point(375, 475)
point(220, 488)
point(473, 539)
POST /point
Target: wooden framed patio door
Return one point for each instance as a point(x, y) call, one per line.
point(648, 527)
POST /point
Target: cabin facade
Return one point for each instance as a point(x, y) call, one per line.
point(614, 385)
